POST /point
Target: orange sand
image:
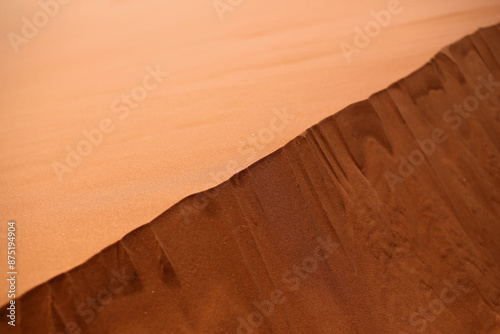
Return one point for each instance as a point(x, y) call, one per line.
point(226, 80)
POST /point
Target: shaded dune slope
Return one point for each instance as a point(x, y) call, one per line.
point(399, 244)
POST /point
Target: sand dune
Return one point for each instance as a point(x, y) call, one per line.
point(227, 79)
point(383, 218)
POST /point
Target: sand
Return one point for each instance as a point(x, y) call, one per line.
point(198, 126)
point(383, 218)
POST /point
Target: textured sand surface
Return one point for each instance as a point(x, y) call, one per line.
point(195, 129)
point(315, 238)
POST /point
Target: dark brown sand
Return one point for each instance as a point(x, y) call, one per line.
point(383, 218)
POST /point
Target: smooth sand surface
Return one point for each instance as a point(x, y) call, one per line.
point(383, 218)
point(227, 78)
